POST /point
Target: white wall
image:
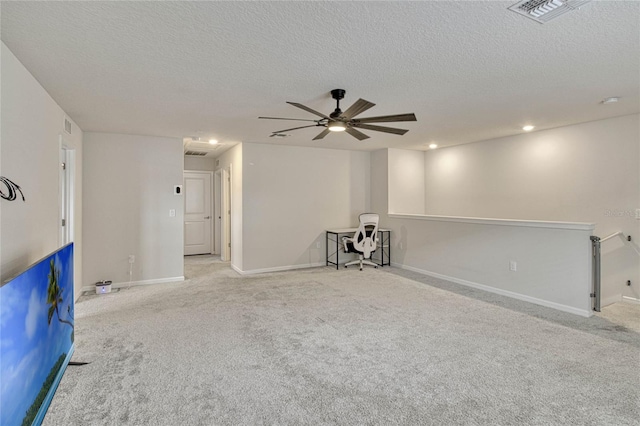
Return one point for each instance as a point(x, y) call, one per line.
point(582, 173)
point(585, 170)
point(128, 185)
point(407, 179)
point(232, 160)
point(380, 182)
point(31, 126)
point(199, 163)
point(291, 195)
point(552, 260)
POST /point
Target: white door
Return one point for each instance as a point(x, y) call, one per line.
point(197, 212)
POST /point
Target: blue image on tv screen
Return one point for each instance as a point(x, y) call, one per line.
point(36, 337)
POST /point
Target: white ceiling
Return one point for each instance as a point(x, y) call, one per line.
point(469, 70)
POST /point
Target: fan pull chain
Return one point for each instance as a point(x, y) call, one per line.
point(13, 189)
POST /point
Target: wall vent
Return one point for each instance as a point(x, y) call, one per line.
point(67, 126)
point(545, 10)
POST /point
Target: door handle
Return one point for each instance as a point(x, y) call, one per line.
point(207, 217)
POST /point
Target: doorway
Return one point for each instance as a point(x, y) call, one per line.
point(66, 191)
point(198, 230)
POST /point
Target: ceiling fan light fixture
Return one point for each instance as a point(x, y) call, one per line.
point(339, 121)
point(337, 127)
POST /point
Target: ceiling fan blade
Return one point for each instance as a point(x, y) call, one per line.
point(356, 133)
point(280, 118)
point(381, 128)
point(358, 107)
point(295, 128)
point(386, 118)
point(306, 108)
point(324, 133)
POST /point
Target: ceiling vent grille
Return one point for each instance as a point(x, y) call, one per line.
point(545, 10)
point(196, 153)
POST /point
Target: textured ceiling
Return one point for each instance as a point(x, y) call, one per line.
point(469, 70)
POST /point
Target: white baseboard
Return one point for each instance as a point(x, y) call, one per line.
point(137, 283)
point(558, 306)
point(630, 299)
point(277, 268)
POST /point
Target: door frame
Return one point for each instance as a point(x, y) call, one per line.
point(217, 212)
point(225, 249)
point(66, 191)
point(211, 199)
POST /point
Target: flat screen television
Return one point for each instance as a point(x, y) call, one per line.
point(36, 337)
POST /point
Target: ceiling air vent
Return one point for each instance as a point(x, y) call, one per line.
point(545, 10)
point(196, 153)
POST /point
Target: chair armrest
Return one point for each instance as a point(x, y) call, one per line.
point(345, 241)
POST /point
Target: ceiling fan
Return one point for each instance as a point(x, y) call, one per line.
point(339, 121)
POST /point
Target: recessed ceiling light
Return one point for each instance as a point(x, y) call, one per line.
point(611, 100)
point(213, 141)
point(528, 128)
point(433, 145)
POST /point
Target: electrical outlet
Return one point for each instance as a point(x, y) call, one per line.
point(132, 258)
point(513, 265)
point(172, 213)
point(318, 245)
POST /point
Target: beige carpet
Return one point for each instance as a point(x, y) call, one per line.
point(623, 314)
point(323, 347)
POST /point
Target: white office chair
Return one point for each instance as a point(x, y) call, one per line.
point(364, 241)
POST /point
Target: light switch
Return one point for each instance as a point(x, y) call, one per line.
point(172, 213)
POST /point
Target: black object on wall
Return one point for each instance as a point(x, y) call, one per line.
point(12, 189)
